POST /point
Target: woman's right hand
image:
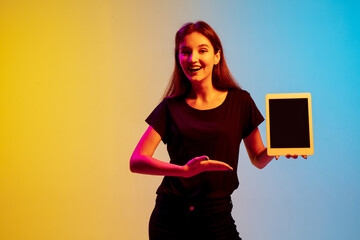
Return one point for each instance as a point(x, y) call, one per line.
point(291, 156)
point(202, 164)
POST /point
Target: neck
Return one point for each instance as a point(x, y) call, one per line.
point(203, 90)
point(204, 97)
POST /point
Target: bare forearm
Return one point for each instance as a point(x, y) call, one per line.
point(148, 165)
point(261, 159)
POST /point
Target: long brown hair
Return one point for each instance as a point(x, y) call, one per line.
point(222, 79)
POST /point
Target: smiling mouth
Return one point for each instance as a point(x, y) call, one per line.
point(194, 69)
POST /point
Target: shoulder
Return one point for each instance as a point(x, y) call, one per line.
point(240, 94)
point(172, 101)
point(168, 104)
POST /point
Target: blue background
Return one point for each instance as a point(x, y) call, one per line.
point(300, 46)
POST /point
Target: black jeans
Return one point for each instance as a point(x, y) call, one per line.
point(180, 219)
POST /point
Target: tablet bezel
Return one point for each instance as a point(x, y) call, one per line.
point(292, 151)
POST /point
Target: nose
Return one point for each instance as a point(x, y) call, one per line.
point(194, 57)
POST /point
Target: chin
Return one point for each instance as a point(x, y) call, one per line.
point(195, 80)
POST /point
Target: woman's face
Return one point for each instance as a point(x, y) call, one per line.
point(197, 57)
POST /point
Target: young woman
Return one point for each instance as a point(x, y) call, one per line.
point(202, 119)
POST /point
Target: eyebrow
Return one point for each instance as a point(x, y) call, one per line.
point(202, 45)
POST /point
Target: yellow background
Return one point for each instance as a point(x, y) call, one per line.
point(77, 81)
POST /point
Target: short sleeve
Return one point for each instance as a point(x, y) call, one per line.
point(252, 118)
point(158, 119)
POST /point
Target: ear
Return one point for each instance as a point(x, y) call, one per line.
point(217, 57)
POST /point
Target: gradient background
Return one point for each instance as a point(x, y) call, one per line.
point(78, 78)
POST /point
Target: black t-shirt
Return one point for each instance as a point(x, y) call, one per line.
point(217, 133)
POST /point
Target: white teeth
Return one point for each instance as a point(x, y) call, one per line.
point(194, 68)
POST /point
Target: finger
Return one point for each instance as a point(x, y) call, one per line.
point(218, 163)
point(288, 156)
point(201, 158)
point(213, 165)
point(204, 157)
point(294, 156)
point(277, 157)
point(304, 156)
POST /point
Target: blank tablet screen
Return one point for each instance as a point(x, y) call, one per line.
point(289, 123)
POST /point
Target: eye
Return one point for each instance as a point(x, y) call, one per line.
point(203, 50)
point(185, 53)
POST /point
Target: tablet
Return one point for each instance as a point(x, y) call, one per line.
point(289, 124)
